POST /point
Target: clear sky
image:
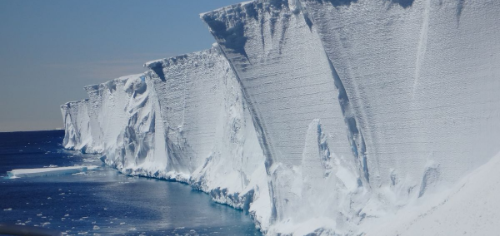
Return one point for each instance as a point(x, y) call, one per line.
point(50, 49)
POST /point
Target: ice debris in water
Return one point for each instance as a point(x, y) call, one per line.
point(40, 172)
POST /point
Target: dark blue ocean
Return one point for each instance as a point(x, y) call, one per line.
point(102, 202)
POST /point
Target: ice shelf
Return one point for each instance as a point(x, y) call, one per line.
point(320, 117)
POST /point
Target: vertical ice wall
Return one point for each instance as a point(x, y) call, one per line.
point(185, 119)
point(190, 93)
point(424, 78)
point(209, 131)
point(410, 85)
point(94, 94)
point(314, 151)
point(315, 115)
point(127, 120)
point(120, 120)
point(76, 123)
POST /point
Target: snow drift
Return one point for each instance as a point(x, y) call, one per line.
point(318, 116)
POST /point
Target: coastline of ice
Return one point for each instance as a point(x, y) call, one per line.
point(314, 119)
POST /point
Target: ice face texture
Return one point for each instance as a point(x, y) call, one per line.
point(423, 81)
point(318, 116)
point(185, 119)
point(76, 124)
point(299, 106)
point(394, 77)
point(209, 134)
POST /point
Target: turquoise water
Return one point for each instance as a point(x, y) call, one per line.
point(103, 201)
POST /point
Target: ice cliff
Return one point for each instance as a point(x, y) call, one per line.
point(184, 119)
point(322, 117)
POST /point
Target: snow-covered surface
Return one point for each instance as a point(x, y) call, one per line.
point(470, 207)
point(39, 172)
point(318, 116)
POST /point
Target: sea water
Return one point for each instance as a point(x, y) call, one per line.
point(102, 202)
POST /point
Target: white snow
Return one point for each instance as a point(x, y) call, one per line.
point(327, 117)
point(470, 207)
point(39, 172)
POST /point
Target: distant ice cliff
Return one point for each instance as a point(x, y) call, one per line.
point(321, 117)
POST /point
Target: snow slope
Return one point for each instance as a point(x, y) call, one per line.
point(470, 207)
point(330, 117)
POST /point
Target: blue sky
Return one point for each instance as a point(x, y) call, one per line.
point(50, 49)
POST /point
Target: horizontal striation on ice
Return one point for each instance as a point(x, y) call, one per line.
point(284, 72)
point(190, 95)
point(185, 119)
point(294, 93)
point(423, 81)
point(416, 82)
point(320, 117)
point(209, 131)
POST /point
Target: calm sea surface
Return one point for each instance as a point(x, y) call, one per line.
point(102, 202)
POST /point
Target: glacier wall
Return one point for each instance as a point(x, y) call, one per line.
point(184, 119)
point(410, 86)
point(314, 150)
point(76, 124)
point(316, 116)
point(208, 130)
point(423, 80)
